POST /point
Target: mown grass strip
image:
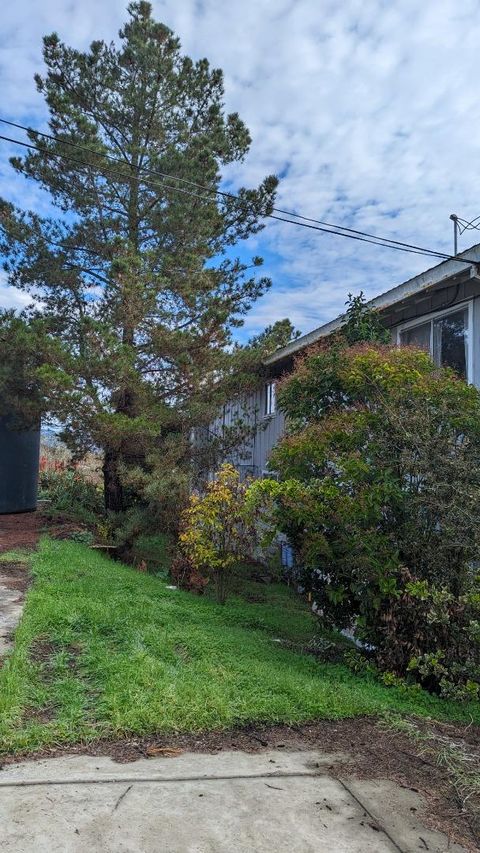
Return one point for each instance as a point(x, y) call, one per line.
point(105, 650)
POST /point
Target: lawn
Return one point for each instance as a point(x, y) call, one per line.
point(104, 650)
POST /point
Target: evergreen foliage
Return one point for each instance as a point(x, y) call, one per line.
point(139, 275)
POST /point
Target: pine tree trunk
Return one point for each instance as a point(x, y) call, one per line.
point(114, 495)
point(113, 489)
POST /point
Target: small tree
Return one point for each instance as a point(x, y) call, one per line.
point(214, 535)
point(24, 379)
point(363, 323)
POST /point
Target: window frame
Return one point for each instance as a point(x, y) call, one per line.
point(270, 406)
point(436, 315)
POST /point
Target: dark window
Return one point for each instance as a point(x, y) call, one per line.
point(450, 335)
point(445, 338)
point(418, 336)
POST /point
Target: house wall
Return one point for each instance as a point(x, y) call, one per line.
point(252, 455)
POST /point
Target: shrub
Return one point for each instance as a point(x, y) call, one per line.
point(85, 537)
point(214, 535)
point(445, 654)
point(380, 497)
point(186, 576)
point(72, 495)
point(154, 550)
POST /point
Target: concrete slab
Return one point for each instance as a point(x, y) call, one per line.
point(11, 607)
point(398, 807)
point(235, 802)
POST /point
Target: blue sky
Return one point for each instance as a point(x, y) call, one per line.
point(369, 111)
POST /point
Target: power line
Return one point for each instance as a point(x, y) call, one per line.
point(128, 177)
point(302, 221)
point(224, 193)
point(331, 229)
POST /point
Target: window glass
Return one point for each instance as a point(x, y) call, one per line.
point(450, 341)
point(418, 336)
point(270, 398)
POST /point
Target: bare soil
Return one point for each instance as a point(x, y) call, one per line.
point(19, 530)
point(15, 576)
point(23, 529)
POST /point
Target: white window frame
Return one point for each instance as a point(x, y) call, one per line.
point(435, 315)
point(270, 399)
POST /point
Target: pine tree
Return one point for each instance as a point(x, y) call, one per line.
point(137, 271)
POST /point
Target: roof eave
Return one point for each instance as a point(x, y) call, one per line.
point(431, 277)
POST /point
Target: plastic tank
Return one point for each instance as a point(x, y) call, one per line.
point(19, 462)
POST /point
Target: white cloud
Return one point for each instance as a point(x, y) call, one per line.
point(371, 111)
point(11, 297)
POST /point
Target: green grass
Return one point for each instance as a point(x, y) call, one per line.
point(154, 550)
point(105, 650)
point(19, 555)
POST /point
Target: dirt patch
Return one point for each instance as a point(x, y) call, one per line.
point(22, 529)
point(371, 751)
point(61, 528)
point(40, 715)
point(19, 530)
point(42, 650)
point(15, 576)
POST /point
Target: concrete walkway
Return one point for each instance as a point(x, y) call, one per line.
point(12, 599)
point(17, 531)
point(232, 802)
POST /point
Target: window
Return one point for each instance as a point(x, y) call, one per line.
point(445, 336)
point(270, 398)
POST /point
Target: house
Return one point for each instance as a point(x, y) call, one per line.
point(439, 309)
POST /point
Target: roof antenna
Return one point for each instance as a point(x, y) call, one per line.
point(454, 218)
point(460, 225)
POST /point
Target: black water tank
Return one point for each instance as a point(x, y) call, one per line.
point(19, 460)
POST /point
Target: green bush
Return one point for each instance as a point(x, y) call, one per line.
point(215, 537)
point(380, 497)
point(154, 550)
point(140, 541)
point(72, 495)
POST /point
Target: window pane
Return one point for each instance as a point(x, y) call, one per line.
point(274, 398)
point(418, 336)
point(450, 341)
point(270, 398)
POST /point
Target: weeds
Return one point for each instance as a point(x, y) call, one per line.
point(460, 760)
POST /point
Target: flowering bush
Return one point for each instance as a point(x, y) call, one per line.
point(214, 534)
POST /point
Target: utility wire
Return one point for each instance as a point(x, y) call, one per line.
point(332, 229)
point(225, 194)
point(305, 222)
point(163, 186)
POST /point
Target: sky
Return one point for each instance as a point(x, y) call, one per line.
point(369, 113)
